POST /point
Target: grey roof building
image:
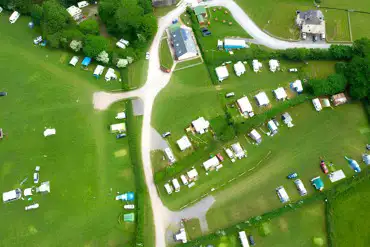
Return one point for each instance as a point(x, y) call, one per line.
point(183, 43)
point(311, 21)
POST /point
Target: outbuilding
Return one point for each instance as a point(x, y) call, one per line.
point(176, 184)
point(245, 106)
point(280, 93)
point(192, 174)
point(283, 196)
point(98, 71)
point(211, 163)
point(239, 68)
point(200, 125)
point(272, 127)
point(255, 136)
point(119, 127)
point(238, 151)
point(297, 86)
point(74, 61)
point(274, 65)
point(262, 99)
point(169, 155)
point(111, 74)
point(339, 99)
point(222, 73)
point(256, 65)
point(184, 143)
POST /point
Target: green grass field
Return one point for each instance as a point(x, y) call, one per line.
point(296, 228)
point(192, 227)
point(84, 163)
point(165, 55)
point(348, 213)
point(137, 74)
point(277, 17)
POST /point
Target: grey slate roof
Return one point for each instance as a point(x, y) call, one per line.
point(312, 17)
point(182, 42)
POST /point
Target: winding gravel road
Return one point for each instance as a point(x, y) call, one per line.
point(156, 81)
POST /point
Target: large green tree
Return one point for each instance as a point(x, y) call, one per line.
point(54, 19)
point(89, 26)
point(128, 17)
point(93, 45)
point(334, 84)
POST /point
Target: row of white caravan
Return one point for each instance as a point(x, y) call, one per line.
point(283, 195)
point(187, 179)
point(337, 99)
point(109, 75)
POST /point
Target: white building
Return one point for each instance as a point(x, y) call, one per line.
point(183, 43)
point(297, 86)
point(192, 174)
point(74, 61)
point(280, 93)
point(110, 75)
point(222, 73)
point(75, 12)
point(262, 99)
point(274, 65)
point(176, 184)
point(255, 136)
point(239, 68)
point(256, 65)
point(245, 106)
point(169, 155)
point(184, 143)
point(283, 196)
point(211, 163)
point(238, 150)
point(200, 125)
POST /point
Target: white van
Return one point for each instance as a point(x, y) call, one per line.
point(168, 188)
point(316, 103)
point(14, 17)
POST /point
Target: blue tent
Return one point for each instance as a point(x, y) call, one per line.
point(353, 164)
point(86, 61)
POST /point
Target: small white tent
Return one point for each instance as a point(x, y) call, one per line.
point(280, 93)
point(256, 65)
point(110, 75)
point(200, 125)
point(74, 61)
point(274, 65)
point(49, 132)
point(222, 73)
point(262, 99)
point(239, 68)
point(245, 106)
point(184, 143)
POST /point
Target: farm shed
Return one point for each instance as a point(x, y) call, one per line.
point(283, 196)
point(317, 183)
point(238, 150)
point(280, 93)
point(169, 155)
point(211, 163)
point(200, 125)
point(111, 74)
point(272, 126)
point(222, 73)
point(297, 86)
point(287, 119)
point(262, 99)
point(192, 174)
point(255, 136)
point(239, 68)
point(176, 184)
point(245, 106)
point(120, 127)
point(339, 99)
point(98, 71)
point(234, 44)
point(184, 143)
point(256, 65)
point(74, 61)
point(243, 239)
point(274, 65)
point(86, 61)
point(336, 176)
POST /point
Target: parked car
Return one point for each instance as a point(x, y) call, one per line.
point(314, 38)
point(175, 21)
point(119, 136)
point(293, 70)
point(36, 178)
point(167, 134)
point(129, 206)
point(3, 93)
point(147, 55)
point(228, 95)
point(205, 31)
point(292, 175)
point(324, 168)
point(219, 157)
point(251, 240)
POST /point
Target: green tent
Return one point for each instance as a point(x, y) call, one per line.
point(129, 217)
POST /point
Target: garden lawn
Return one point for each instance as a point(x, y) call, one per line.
point(192, 227)
point(359, 24)
point(295, 228)
point(348, 214)
point(337, 28)
point(165, 55)
point(189, 63)
point(85, 164)
point(137, 74)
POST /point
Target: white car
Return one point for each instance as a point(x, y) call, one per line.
point(32, 206)
point(129, 206)
point(304, 36)
point(293, 70)
point(147, 56)
point(36, 178)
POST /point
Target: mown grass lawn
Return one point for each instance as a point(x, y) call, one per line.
point(84, 163)
point(349, 213)
point(296, 228)
point(192, 227)
point(336, 25)
point(165, 55)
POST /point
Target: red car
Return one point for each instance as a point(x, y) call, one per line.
point(219, 157)
point(324, 168)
